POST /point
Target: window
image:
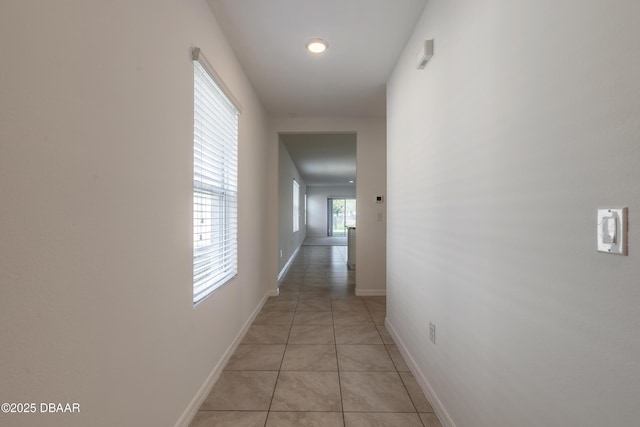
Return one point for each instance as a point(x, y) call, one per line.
point(215, 183)
point(341, 215)
point(296, 206)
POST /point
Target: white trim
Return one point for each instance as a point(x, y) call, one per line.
point(370, 292)
point(192, 408)
point(439, 409)
point(288, 264)
point(273, 292)
point(296, 206)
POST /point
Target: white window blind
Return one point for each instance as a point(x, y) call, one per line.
point(215, 185)
point(296, 206)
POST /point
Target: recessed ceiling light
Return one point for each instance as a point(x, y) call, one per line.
point(317, 45)
point(351, 182)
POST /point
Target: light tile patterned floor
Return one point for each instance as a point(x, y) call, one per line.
point(317, 355)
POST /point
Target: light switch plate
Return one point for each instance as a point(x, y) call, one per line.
point(611, 231)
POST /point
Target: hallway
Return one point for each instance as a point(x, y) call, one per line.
point(317, 355)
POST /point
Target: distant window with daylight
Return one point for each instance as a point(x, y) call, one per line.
point(296, 206)
point(215, 185)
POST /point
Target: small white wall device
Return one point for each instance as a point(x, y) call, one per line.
point(611, 231)
point(424, 54)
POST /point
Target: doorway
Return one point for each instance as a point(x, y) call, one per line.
point(341, 214)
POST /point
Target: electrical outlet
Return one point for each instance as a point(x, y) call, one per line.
point(432, 332)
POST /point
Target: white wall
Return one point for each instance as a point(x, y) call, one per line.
point(288, 241)
point(317, 206)
point(371, 181)
point(96, 152)
point(499, 152)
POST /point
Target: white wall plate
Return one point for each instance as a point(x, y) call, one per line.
point(612, 231)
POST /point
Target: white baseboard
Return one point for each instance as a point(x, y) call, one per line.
point(371, 292)
point(192, 409)
point(439, 409)
point(288, 264)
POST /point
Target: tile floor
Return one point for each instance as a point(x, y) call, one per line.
point(317, 355)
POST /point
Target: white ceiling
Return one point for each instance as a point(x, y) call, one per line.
point(323, 159)
point(365, 37)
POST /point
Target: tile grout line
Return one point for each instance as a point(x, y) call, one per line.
point(321, 268)
point(335, 344)
point(291, 324)
point(273, 395)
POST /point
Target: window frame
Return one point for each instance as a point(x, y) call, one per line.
point(215, 184)
point(296, 206)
